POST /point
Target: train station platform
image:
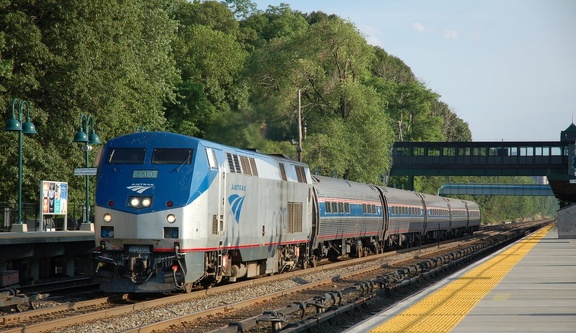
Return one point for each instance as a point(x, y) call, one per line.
point(32, 237)
point(37, 255)
point(530, 286)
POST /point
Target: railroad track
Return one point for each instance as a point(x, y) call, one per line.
point(64, 285)
point(235, 302)
point(292, 311)
point(23, 298)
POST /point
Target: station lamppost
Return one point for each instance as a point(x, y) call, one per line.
point(15, 124)
point(87, 135)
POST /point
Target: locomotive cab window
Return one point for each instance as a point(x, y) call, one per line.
point(126, 155)
point(212, 161)
point(172, 156)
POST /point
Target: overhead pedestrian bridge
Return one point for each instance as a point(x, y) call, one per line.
point(479, 158)
point(554, 159)
point(496, 189)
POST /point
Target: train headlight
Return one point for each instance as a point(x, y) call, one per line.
point(146, 202)
point(140, 202)
point(107, 217)
point(170, 218)
point(135, 202)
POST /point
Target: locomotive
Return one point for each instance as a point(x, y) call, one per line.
point(174, 212)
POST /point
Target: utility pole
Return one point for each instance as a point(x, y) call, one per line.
point(299, 149)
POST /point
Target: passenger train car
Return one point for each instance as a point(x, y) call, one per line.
point(173, 212)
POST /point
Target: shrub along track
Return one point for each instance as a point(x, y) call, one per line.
point(322, 292)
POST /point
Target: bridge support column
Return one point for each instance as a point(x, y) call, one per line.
point(410, 183)
point(567, 222)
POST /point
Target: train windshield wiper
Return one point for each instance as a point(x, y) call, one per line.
point(186, 161)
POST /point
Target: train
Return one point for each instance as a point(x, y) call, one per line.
point(174, 212)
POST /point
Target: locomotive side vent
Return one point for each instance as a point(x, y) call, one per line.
point(214, 224)
point(295, 217)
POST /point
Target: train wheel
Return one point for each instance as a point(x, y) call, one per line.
point(333, 255)
point(359, 251)
point(313, 262)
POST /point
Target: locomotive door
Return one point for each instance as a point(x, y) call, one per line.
point(221, 199)
point(218, 218)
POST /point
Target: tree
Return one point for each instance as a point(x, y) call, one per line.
point(110, 59)
point(214, 15)
point(209, 58)
point(276, 22)
point(5, 65)
point(241, 8)
point(454, 129)
point(329, 62)
point(417, 113)
point(411, 110)
point(219, 70)
point(390, 68)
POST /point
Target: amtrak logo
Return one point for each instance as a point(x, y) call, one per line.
point(140, 188)
point(236, 202)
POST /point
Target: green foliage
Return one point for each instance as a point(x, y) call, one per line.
point(5, 65)
point(221, 70)
point(330, 63)
point(241, 8)
point(276, 22)
point(390, 68)
point(209, 58)
point(191, 110)
point(411, 112)
point(110, 59)
point(345, 147)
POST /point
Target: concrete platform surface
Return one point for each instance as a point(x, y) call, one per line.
point(530, 286)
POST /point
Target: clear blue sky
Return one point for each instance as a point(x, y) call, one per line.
point(506, 67)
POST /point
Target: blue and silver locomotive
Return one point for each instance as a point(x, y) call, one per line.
point(173, 212)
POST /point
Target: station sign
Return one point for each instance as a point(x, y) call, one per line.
point(53, 201)
point(84, 171)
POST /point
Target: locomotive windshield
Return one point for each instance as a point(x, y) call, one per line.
point(126, 155)
point(172, 156)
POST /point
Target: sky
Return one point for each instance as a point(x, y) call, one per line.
point(505, 67)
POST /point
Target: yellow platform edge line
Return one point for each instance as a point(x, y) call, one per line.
point(444, 309)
